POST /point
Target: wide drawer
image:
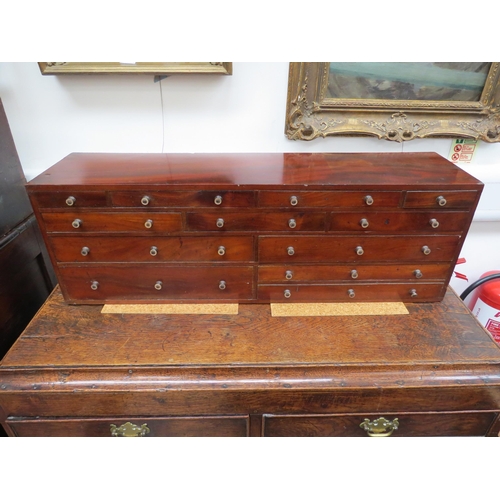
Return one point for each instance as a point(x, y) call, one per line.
point(359, 272)
point(385, 222)
point(289, 249)
point(152, 249)
point(78, 222)
point(359, 292)
point(67, 199)
point(178, 198)
point(408, 424)
point(231, 426)
point(255, 221)
point(330, 199)
point(157, 283)
point(440, 199)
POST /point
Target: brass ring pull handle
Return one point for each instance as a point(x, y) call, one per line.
point(441, 201)
point(287, 294)
point(129, 430)
point(94, 285)
point(294, 201)
point(145, 200)
point(85, 251)
point(218, 199)
point(426, 250)
point(434, 223)
point(360, 251)
point(413, 293)
point(153, 251)
point(222, 285)
point(148, 224)
point(288, 275)
point(290, 250)
point(221, 250)
point(220, 223)
point(354, 274)
point(158, 285)
point(351, 293)
point(368, 200)
point(292, 224)
point(70, 201)
point(418, 273)
point(76, 223)
point(379, 427)
point(364, 223)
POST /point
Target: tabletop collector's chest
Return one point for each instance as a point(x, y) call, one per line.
point(299, 227)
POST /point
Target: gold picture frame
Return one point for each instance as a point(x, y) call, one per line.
point(312, 112)
point(142, 68)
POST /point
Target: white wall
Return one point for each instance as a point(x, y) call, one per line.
point(51, 117)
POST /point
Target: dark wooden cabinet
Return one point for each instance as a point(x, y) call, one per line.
point(218, 227)
point(76, 371)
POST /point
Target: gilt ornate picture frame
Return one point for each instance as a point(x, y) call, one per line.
point(394, 101)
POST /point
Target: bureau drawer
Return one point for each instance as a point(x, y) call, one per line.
point(354, 292)
point(112, 222)
point(255, 221)
point(289, 249)
point(440, 199)
point(157, 283)
point(359, 272)
point(408, 424)
point(231, 426)
point(330, 199)
point(381, 222)
point(207, 199)
point(86, 248)
point(70, 199)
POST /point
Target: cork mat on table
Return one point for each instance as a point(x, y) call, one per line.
point(170, 309)
point(339, 309)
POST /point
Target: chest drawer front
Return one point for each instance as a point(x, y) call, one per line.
point(440, 199)
point(393, 292)
point(408, 222)
point(255, 221)
point(157, 283)
point(231, 426)
point(207, 199)
point(353, 273)
point(112, 222)
point(408, 424)
point(330, 199)
point(357, 248)
point(70, 199)
point(152, 249)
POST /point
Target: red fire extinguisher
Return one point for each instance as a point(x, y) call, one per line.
point(485, 302)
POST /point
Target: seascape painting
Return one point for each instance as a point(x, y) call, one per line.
point(425, 81)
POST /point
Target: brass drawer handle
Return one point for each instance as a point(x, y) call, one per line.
point(129, 430)
point(70, 201)
point(292, 224)
point(153, 251)
point(145, 200)
point(379, 427)
point(417, 273)
point(413, 293)
point(434, 223)
point(351, 293)
point(287, 294)
point(368, 200)
point(220, 223)
point(294, 201)
point(290, 250)
point(441, 201)
point(158, 285)
point(426, 250)
point(354, 274)
point(288, 275)
point(218, 200)
point(364, 223)
point(85, 251)
point(359, 250)
point(221, 250)
point(76, 223)
point(222, 285)
point(94, 285)
point(148, 224)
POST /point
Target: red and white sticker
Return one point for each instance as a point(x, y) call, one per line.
point(489, 317)
point(462, 150)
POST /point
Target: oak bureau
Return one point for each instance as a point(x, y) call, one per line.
point(298, 227)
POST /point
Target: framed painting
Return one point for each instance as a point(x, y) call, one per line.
point(144, 68)
point(394, 101)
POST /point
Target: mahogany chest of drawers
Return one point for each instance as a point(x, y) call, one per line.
point(298, 227)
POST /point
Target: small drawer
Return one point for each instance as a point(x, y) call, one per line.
point(394, 222)
point(77, 222)
point(350, 292)
point(70, 199)
point(152, 249)
point(255, 221)
point(231, 426)
point(317, 249)
point(330, 199)
point(440, 199)
point(359, 272)
point(376, 424)
point(207, 199)
point(157, 283)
